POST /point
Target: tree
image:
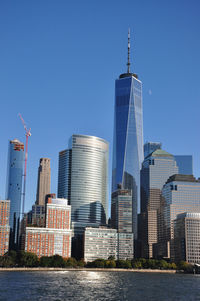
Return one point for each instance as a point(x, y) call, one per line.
point(70, 262)
point(163, 264)
point(136, 264)
point(98, 263)
point(124, 264)
point(81, 263)
point(110, 264)
point(26, 259)
point(57, 261)
point(185, 266)
point(45, 261)
point(6, 261)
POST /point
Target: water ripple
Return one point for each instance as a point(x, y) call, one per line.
point(98, 286)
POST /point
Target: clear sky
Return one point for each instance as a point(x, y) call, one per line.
point(59, 60)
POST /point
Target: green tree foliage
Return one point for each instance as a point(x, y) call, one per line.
point(185, 266)
point(57, 261)
point(81, 263)
point(70, 262)
point(6, 261)
point(26, 259)
point(123, 264)
point(136, 264)
point(45, 261)
point(110, 264)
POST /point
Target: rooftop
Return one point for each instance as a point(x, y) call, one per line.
point(181, 178)
point(160, 153)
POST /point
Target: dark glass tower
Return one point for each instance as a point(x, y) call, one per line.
point(14, 187)
point(128, 137)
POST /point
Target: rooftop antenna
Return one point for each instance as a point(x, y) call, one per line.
point(27, 134)
point(128, 63)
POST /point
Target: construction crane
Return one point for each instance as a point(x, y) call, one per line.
point(27, 134)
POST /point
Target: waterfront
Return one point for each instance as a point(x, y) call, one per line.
point(96, 285)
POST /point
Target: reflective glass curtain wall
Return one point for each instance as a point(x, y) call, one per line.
point(128, 139)
point(14, 187)
point(83, 178)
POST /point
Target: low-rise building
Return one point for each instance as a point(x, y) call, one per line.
point(105, 242)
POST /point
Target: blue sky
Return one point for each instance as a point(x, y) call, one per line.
point(59, 60)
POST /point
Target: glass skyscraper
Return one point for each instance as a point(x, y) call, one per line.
point(128, 137)
point(185, 164)
point(14, 187)
point(83, 178)
point(181, 193)
point(150, 147)
point(156, 169)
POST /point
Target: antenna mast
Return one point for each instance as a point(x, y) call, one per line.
point(128, 63)
point(27, 134)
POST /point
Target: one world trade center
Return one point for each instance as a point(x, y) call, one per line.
point(128, 137)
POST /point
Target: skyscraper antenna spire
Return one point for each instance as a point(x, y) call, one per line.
point(128, 63)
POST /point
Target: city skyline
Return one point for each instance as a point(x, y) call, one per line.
point(28, 88)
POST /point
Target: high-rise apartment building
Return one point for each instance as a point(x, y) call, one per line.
point(14, 187)
point(185, 164)
point(44, 181)
point(150, 147)
point(83, 178)
point(4, 226)
point(187, 237)
point(128, 137)
point(55, 238)
point(181, 193)
point(156, 169)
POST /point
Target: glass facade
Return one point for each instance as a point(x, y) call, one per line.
point(121, 210)
point(83, 178)
point(128, 139)
point(150, 147)
point(14, 186)
point(181, 194)
point(185, 164)
point(156, 169)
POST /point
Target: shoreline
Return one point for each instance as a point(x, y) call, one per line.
point(40, 269)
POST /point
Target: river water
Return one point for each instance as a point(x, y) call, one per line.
point(89, 285)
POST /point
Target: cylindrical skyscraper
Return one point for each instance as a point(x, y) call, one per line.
point(83, 178)
point(14, 187)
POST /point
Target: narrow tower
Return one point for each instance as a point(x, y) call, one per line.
point(128, 136)
point(44, 181)
point(14, 188)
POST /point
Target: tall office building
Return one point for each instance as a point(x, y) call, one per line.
point(156, 169)
point(185, 164)
point(4, 226)
point(14, 187)
point(128, 136)
point(150, 147)
point(44, 181)
point(83, 178)
point(181, 193)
